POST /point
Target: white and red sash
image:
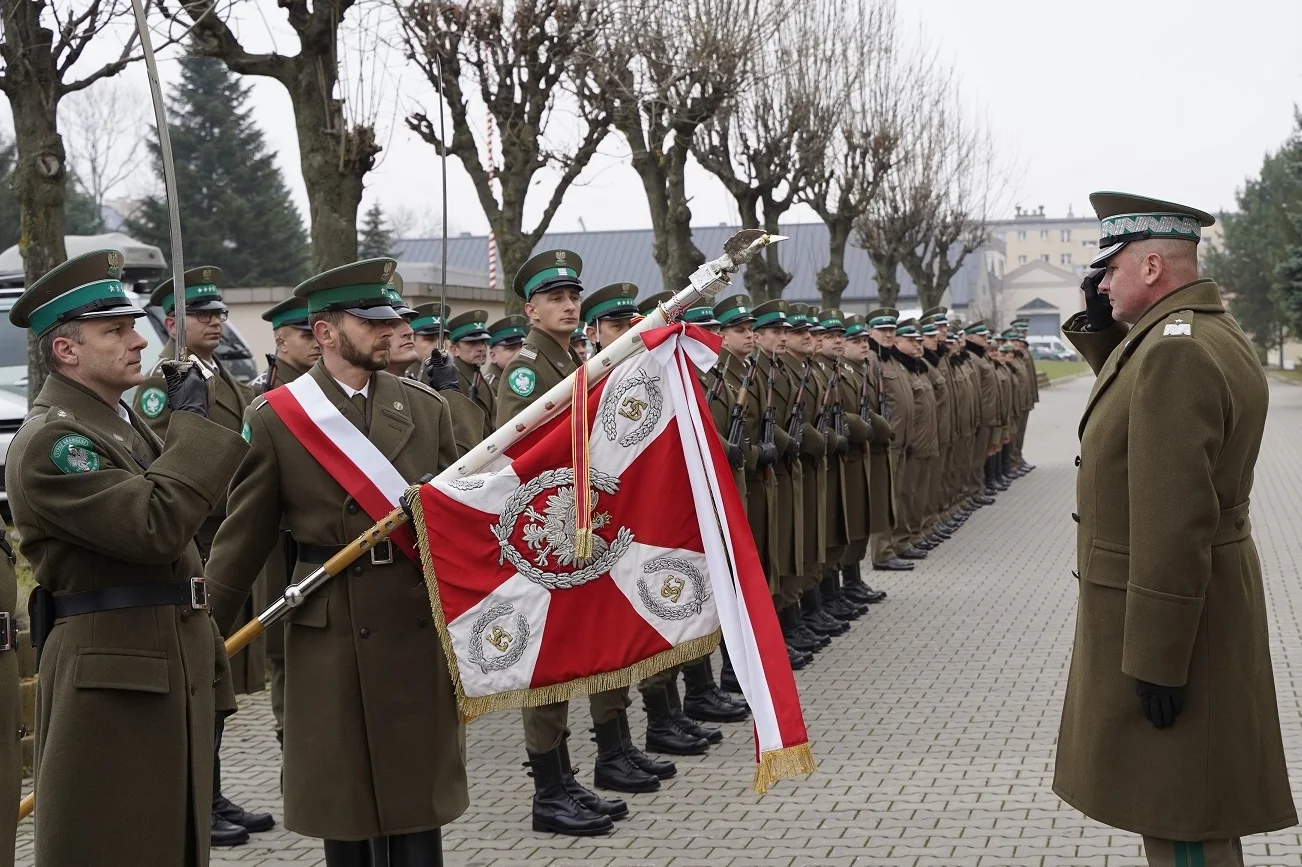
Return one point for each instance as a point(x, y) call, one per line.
point(344, 452)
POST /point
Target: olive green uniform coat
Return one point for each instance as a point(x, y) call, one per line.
point(881, 486)
point(126, 704)
point(479, 391)
point(788, 522)
point(228, 398)
point(812, 503)
point(1170, 583)
point(539, 366)
point(863, 433)
point(373, 742)
point(11, 721)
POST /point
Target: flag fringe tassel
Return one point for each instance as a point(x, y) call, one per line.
point(783, 764)
point(472, 707)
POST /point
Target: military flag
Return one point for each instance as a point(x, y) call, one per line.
point(526, 619)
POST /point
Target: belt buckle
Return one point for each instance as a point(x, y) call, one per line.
point(8, 632)
point(382, 553)
point(198, 594)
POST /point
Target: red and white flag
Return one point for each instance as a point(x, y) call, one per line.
point(526, 621)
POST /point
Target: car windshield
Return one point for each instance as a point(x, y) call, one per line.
point(13, 352)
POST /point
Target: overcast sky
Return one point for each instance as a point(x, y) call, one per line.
point(1175, 100)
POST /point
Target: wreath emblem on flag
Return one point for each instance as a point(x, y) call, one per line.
point(511, 645)
point(647, 412)
point(550, 533)
point(670, 573)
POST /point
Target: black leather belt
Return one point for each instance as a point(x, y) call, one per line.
point(8, 632)
point(381, 554)
point(192, 594)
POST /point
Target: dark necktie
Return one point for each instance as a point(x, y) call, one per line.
point(359, 401)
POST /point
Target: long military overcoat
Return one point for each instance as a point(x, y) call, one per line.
point(789, 517)
point(126, 702)
point(373, 743)
point(1170, 583)
point(11, 752)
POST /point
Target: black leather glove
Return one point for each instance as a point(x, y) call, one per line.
point(792, 451)
point(441, 373)
point(768, 455)
point(736, 456)
point(1098, 310)
point(842, 446)
point(187, 390)
point(405, 504)
point(1160, 704)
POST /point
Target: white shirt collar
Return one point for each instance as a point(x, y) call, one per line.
point(349, 391)
point(123, 413)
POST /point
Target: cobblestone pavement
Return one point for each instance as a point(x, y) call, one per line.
point(933, 720)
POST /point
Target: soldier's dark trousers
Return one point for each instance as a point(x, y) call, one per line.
point(546, 726)
point(1209, 853)
point(422, 849)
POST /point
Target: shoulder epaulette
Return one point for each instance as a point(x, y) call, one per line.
point(416, 383)
point(527, 353)
point(1179, 324)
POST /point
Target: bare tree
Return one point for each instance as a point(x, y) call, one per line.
point(791, 107)
point(411, 222)
point(104, 138)
point(846, 175)
point(518, 59)
point(336, 139)
point(41, 49)
point(665, 69)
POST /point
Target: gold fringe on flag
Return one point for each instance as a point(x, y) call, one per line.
point(783, 764)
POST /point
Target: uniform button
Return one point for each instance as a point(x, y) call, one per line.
point(1238, 524)
point(1075, 517)
point(1078, 460)
point(423, 622)
point(352, 507)
point(185, 613)
point(357, 570)
point(215, 682)
point(22, 732)
point(364, 632)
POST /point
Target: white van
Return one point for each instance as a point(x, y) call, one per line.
point(1047, 347)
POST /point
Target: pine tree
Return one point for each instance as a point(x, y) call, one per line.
point(235, 209)
point(375, 239)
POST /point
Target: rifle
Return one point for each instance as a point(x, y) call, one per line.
point(737, 422)
point(796, 422)
point(769, 421)
point(881, 392)
point(832, 396)
point(272, 361)
point(863, 392)
point(474, 385)
point(713, 391)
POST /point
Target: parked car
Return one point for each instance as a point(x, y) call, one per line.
point(1050, 348)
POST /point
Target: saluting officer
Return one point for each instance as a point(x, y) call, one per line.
point(549, 285)
point(505, 337)
point(107, 513)
point(228, 397)
point(373, 743)
point(1170, 727)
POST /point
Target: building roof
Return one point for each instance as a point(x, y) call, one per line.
point(626, 255)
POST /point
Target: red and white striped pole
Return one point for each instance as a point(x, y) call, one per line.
point(492, 176)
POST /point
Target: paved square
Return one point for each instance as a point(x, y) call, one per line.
point(933, 720)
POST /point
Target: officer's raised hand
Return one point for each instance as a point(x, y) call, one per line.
point(1098, 309)
point(440, 372)
point(187, 390)
point(1160, 704)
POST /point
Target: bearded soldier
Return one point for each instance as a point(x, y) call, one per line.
point(1170, 727)
point(107, 513)
point(204, 314)
point(374, 760)
point(549, 285)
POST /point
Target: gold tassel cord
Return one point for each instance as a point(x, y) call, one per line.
point(784, 764)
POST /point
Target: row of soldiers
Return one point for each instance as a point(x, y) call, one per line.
point(829, 422)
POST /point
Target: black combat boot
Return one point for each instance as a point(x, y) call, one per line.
point(555, 809)
point(662, 732)
point(615, 769)
point(817, 639)
point(348, 853)
point(662, 768)
point(612, 807)
point(817, 619)
point(686, 723)
point(789, 620)
point(835, 601)
point(798, 659)
point(728, 677)
point(422, 849)
point(702, 698)
point(870, 596)
point(226, 813)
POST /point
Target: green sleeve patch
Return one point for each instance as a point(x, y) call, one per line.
point(522, 381)
point(75, 454)
point(152, 402)
point(247, 432)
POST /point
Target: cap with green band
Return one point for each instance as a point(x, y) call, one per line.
point(733, 310)
point(928, 328)
point(359, 289)
point(978, 327)
point(772, 314)
point(554, 269)
point(291, 312)
point(1124, 218)
point(855, 326)
point(937, 315)
point(832, 320)
point(429, 317)
point(907, 328)
point(396, 302)
point(87, 287)
point(201, 292)
point(798, 316)
point(884, 317)
point(471, 325)
point(615, 301)
point(579, 335)
point(701, 314)
point(509, 330)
